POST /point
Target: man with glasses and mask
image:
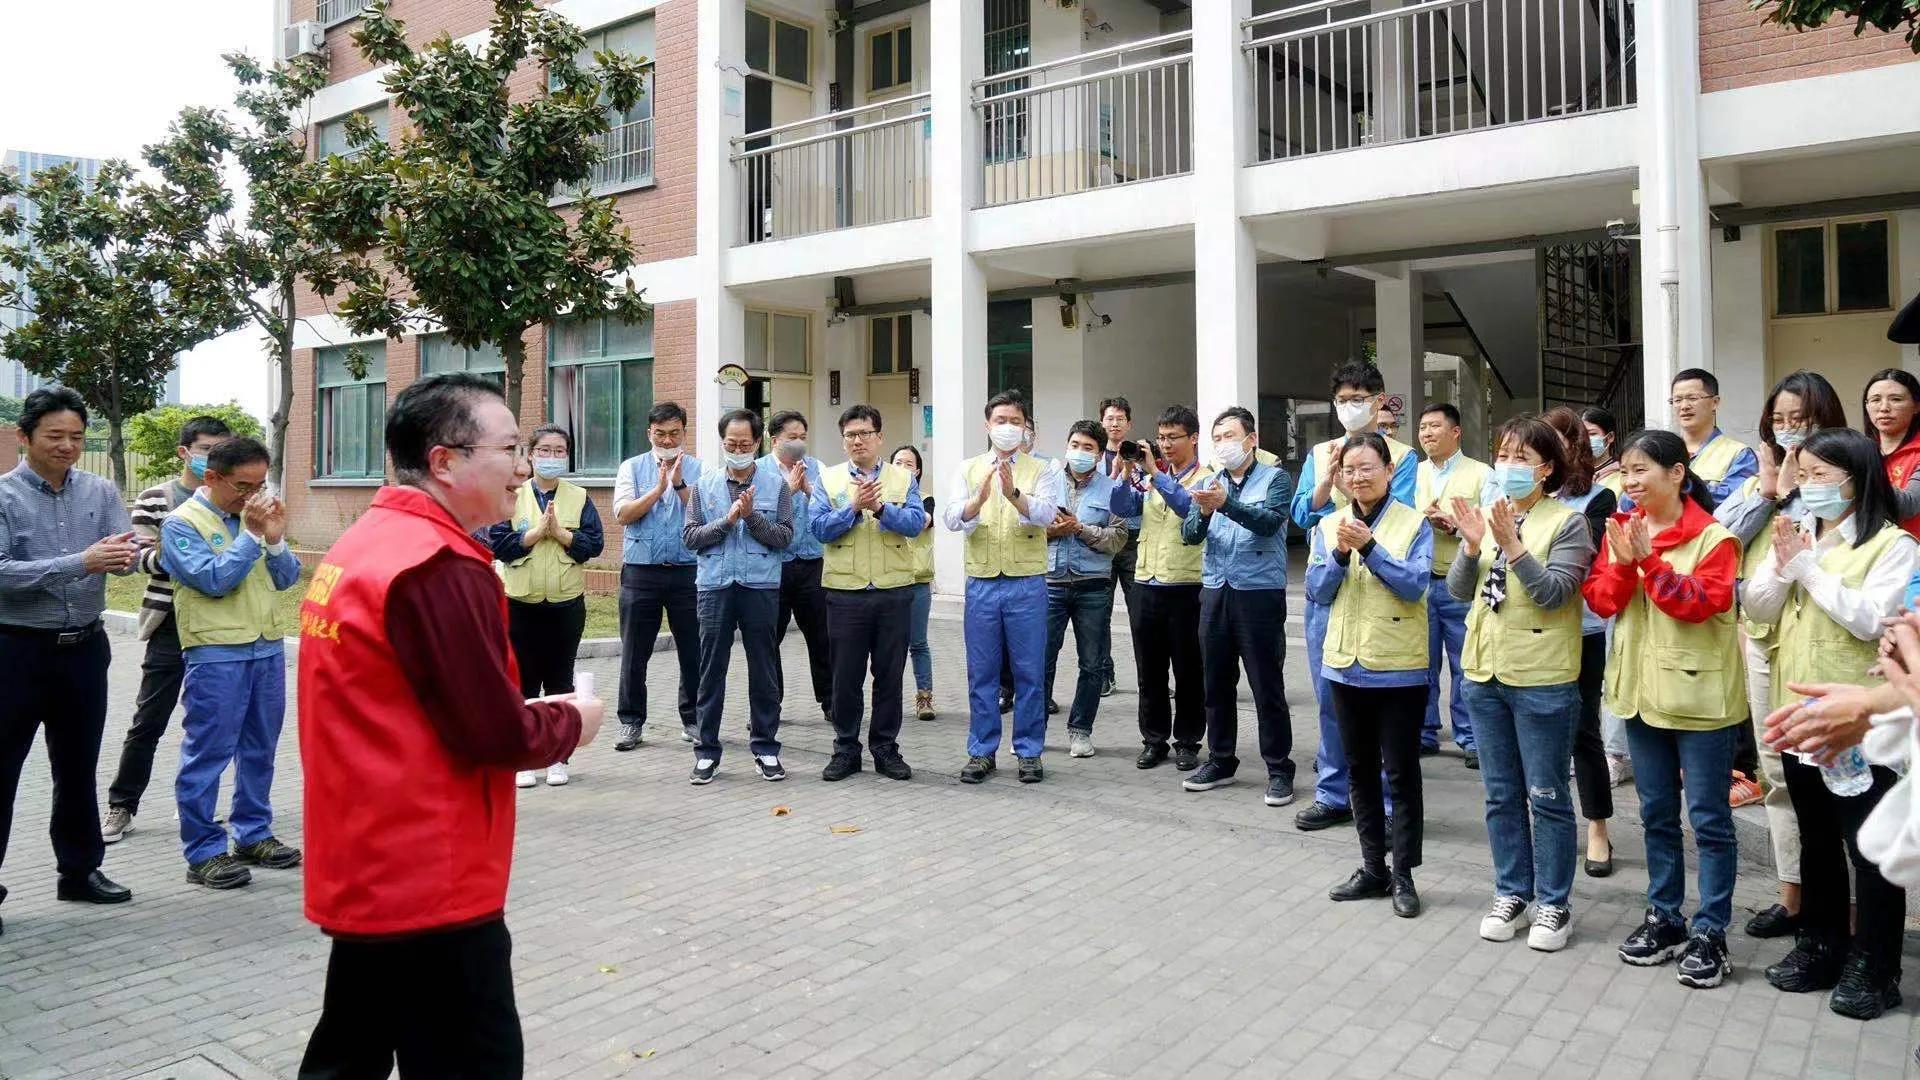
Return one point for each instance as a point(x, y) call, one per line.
point(1081, 544)
point(650, 496)
point(226, 550)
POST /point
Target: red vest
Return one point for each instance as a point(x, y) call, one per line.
point(401, 834)
point(1902, 464)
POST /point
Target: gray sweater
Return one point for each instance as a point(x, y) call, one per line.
point(1549, 584)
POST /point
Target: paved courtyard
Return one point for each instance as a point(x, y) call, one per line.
point(1102, 924)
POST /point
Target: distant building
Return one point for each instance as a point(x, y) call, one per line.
point(15, 380)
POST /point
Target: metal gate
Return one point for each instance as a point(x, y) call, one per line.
point(1589, 351)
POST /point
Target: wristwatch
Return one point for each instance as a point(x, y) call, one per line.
point(679, 485)
point(1014, 494)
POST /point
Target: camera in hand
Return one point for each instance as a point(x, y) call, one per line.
point(1130, 451)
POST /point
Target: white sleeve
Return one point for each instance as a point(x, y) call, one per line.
point(1860, 610)
point(1044, 500)
point(623, 484)
point(961, 493)
point(1764, 595)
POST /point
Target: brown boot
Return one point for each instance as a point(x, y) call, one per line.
point(923, 704)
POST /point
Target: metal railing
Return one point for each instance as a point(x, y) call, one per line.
point(863, 166)
point(328, 12)
point(627, 155)
point(1325, 80)
point(1094, 120)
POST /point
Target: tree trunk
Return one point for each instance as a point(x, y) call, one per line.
point(514, 352)
point(116, 442)
point(283, 412)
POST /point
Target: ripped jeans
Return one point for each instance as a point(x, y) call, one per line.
point(1525, 737)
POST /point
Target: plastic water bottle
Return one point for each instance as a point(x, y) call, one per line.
point(583, 686)
point(1847, 773)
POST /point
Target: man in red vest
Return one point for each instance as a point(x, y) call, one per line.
point(411, 729)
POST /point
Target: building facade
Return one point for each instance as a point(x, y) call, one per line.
point(15, 379)
point(1509, 203)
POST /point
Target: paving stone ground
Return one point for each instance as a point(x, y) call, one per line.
point(1102, 924)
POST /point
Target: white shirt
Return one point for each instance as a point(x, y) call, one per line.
point(1859, 610)
point(1890, 836)
point(1046, 496)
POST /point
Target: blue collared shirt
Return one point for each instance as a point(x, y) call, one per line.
point(805, 545)
point(218, 570)
point(43, 580)
point(831, 522)
point(1402, 486)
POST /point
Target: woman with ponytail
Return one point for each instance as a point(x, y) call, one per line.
point(1665, 572)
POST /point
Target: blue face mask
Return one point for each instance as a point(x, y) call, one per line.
point(548, 468)
point(1599, 445)
point(1789, 438)
point(197, 465)
point(1515, 481)
point(1080, 461)
point(1824, 501)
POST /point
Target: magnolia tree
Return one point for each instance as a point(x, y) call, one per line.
point(1887, 16)
point(453, 226)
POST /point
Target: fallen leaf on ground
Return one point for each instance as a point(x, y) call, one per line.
point(606, 969)
point(846, 829)
point(781, 811)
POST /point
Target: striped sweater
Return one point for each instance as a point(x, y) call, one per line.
point(149, 510)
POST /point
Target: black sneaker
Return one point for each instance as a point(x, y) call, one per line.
point(892, 766)
point(1207, 777)
point(1151, 756)
point(843, 765)
point(1655, 942)
point(1471, 759)
point(269, 853)
point(1321, 816)
point(703, 770)
point(1108, 686)
point(1006, 704)
point(1279, 791)
point(1429, 751)
point(1053, 707)
point(1772, 922)
point(1811, 965)
point(1705, 963)
point(1863, 992)
point(1186, 758)
point(977, 769)
point(1406, 902)
point(1362, 886)
point(219, 872)
point(1030, 771)
point(769, 767)
point(629, 737)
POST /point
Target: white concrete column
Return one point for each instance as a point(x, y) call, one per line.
point(1400, 338)
point(720, 114)
point(1059, 373)
point(1740, 331)
point(959, 321)
point(1675, 256)
point(1907, 275)
point(1225, 315)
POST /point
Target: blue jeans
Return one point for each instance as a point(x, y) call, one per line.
point(755, 613)
point(917, 648)
point(1330, 761)
point(1526, 741)
point(1446, 636)
point(1659, 756)
point(1089, 606)
point(234, 712)
point(1006, 615)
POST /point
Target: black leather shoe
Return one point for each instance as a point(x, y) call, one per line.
point(1151, 756)
point(1812, 965)
point(841, 767)
point(1321, 816)
point(95, 888)
point(892, 766)
point(1186, 758)
point(1406, 902)
point(1864, 992)
point(1471, 759)
point(1006, 704)
point(1601, 867)
point(1053, 707)
point(1362, 886)
point(1429, 751)
point(1771, 922)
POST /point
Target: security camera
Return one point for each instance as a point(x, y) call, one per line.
point(1616, 229)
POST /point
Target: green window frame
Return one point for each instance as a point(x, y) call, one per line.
point(350, 414)
point(439, 355)
point(330, 136)
point(600, 389)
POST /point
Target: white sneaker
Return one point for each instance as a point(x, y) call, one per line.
point(557, 774)
point(1079, 744)
point(1507, 917)
point(1552, 926)
point(525, 778)
point(118, 823)
point(686, 733)
point(1619, 769)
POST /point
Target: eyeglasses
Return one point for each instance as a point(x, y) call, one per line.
point(858, 436)
point(1358, 472)
point(1689, 399)
point(518, 450)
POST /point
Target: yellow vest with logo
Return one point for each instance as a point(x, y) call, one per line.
point(1323, 464)
point(1464, 480)
point(1524, 644)
point(1163, 557)
point(1758, 551)
point(545, 575)
point(1366, 623)
point(1673, 674)
point(921, 547)
point(1715, 458)
point(1812, 648)
point(868, 556)
point(1003, 545)
point(243, 616)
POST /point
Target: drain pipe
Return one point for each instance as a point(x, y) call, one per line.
point(1660, 95)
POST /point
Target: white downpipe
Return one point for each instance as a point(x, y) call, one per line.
point(1660, 217)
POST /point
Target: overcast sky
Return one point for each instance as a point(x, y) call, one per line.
point(102, 78)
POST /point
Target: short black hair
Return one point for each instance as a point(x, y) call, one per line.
point(1237, 412)
point(1091, 429)
point(193, 429)
point(1704, 376)
point(230, 454)
point(48, 400)
point(666, 413)
point(1179, 416)
point(1600, 418)
point(861, 411)
point(435, 411)
point(1358, 374)
point(1116, 403)
point(1009, 397)
point(1444, 408)
point(784, 417)
point(544, 430)
point(754, 423)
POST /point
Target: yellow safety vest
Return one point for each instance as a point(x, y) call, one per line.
point(1613, 482)
point(1715, 458)
point(546, 575)
point(921, 548)
point(1673, 674)
point(1524, 644)
point(1162, 556)
point(1811, 647)
point(1323, 464)
point(1003, 545)
point(1464, 480)
point(1758, 550)
point(243, 616)
point(1366, 623)
point(868, 556)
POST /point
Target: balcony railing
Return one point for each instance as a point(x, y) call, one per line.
point(1112, 116)
point(328, 12)
point(863, 166)
point(1326, 78)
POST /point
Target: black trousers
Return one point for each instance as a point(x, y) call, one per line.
point(1166, 633)
point(1829, 842)
point(803, 600)
point(1589, 746)
point(438, 1004)
point(1124, 562)
point(1380, 726)
point(1246, 627)
point(870, 631)
point(646, 593)
point(65, 688)
point(546, 640)
point(162, 670)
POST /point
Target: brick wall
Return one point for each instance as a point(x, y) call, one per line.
point(1738, 49)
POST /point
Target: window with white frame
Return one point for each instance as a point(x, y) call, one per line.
point(628, 144)
point(890, 59)
point(600, 387)
point(350, 414)
point(438, 354)
point(780, 48)
point(890, 344)
point(330, 138)
point(777, 343)
point(1833, 267)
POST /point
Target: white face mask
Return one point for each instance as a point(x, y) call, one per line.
point(739, 461)
point(1355, 416)
point(1007, 437)
point(1231, 455)
point(666, 453)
